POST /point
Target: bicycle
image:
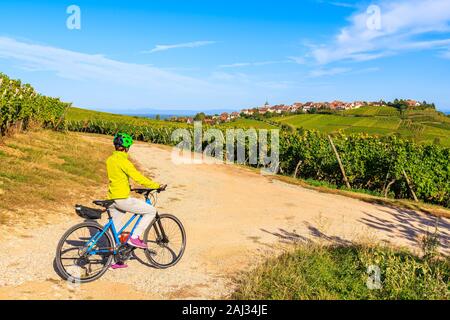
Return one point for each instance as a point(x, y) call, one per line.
point(91, 244)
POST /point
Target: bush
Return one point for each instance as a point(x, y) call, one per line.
point(21, 105)
point(370, 163)
point(341, 272)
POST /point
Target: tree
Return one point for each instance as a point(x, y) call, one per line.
point(402, 109)
point(158, 117)
point(200, 116)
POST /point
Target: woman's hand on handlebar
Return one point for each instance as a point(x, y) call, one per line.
point(162, 187)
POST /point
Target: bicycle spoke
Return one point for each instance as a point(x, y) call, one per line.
point(84, 267)
point(165, 251)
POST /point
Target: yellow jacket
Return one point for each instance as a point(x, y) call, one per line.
point(120, 169)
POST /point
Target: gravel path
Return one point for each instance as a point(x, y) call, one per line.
point(233, 218)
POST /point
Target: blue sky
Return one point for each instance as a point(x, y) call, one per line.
point(132, 56)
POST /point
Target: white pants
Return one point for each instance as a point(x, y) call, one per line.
point(135, 206)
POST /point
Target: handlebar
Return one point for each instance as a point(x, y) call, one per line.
point(147, 191)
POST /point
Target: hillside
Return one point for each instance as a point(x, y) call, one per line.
point(426, 126)
point(78, 114)
point(46, 171)
point(246, 124)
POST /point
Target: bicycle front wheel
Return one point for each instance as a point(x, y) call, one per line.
point(166, 241)
point(74, 264)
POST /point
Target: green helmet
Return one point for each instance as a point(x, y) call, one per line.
point(123, 140)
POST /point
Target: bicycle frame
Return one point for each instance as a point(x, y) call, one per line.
point(110, 225)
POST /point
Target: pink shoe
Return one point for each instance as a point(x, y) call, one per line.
point(119, 265)
point(138, 243)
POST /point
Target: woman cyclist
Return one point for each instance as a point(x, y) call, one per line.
point(120, 170)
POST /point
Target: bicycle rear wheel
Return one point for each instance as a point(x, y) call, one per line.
point(166, 241)
point(73, 263)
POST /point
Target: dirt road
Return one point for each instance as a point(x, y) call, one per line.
point(233, 217)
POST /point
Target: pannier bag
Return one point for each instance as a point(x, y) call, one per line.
point(88, 213)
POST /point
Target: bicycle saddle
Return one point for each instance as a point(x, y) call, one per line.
point(104, 203)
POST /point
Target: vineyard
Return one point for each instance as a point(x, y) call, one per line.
point(21, 106)
point(372, 163)
point(380, 164)
point(78, 114)
point(421, 126)
point(387, 165)
point(147, 133)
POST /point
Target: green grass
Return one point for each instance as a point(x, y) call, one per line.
point(425, 126)
point(246, 124)
point(332, 123)
point(340, 272)
point(77, 114)
point(373, 111)
point(43, 170)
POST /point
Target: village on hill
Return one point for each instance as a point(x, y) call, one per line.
point(295, 108)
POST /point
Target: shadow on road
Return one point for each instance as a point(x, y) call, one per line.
point(314, 234)
point(408, 224)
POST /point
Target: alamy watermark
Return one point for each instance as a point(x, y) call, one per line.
point(251, 147)
point(374, 277)
point(373, 21)
point(73, 22)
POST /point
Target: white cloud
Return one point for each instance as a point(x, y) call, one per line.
point(94, 80)
point(248, 81)
point(366, 70)
point(298, 60)
point(342, 4)
point(165, 47)
point(227, 76)
point(403, 22)
point(322, 72)
point(81, 66)
point(253, 64)
point(112, 83)
point(328, 72)
point(236, 65)
point(338, 3)
point(446, 54)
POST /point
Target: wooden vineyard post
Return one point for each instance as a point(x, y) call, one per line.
point(61, 119)
point(410, 186)
point(296, 168)
point(386, 190)
point(340, 163)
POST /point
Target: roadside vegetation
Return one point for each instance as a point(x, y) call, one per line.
point(389, 166)
point(21, 107)
point(314, 271)
point(45, 170)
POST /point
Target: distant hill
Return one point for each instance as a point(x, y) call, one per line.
point(426, 125)
point(78, 114)
point(163, 113)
